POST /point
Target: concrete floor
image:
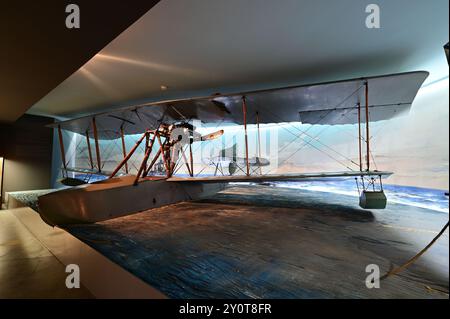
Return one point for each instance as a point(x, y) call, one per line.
point(27, 268)
point(34, 255)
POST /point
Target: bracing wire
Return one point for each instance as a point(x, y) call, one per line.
point(304, 132)
point(314, 138)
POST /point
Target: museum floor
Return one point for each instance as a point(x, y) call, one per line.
point(27, 268)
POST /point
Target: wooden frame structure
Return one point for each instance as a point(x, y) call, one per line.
point(164, 152)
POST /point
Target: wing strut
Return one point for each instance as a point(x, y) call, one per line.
point(191, 158)
point(244, 111)
point(367, 125)
point(61, 147)
point(124, 148)
point(259, 143)
point(88, 143)
point(124, 161)
point(186, 162)
point(148, 150)
point(360, 138)
point(97, 146)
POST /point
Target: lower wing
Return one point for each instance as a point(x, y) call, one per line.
point(280, 177)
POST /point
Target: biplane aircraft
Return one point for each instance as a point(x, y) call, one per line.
point(165, 128)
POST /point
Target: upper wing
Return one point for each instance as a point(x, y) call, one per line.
point(330, 103)
point(326, 103)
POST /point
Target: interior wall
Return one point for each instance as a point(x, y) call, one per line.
point(1, 180)
point(26, 146)
point(56, 168)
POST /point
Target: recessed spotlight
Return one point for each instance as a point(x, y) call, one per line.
point(164, 87)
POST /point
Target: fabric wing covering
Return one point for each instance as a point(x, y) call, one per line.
point(333, 103)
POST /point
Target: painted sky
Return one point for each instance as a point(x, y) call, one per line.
point(415, 146)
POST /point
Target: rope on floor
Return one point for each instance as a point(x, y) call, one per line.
point(417, 256)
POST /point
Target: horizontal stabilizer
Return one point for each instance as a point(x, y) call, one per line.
point(212, 136)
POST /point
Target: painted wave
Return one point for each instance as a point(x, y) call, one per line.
point(426, 198)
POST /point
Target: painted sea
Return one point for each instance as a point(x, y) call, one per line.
point(427, 198)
